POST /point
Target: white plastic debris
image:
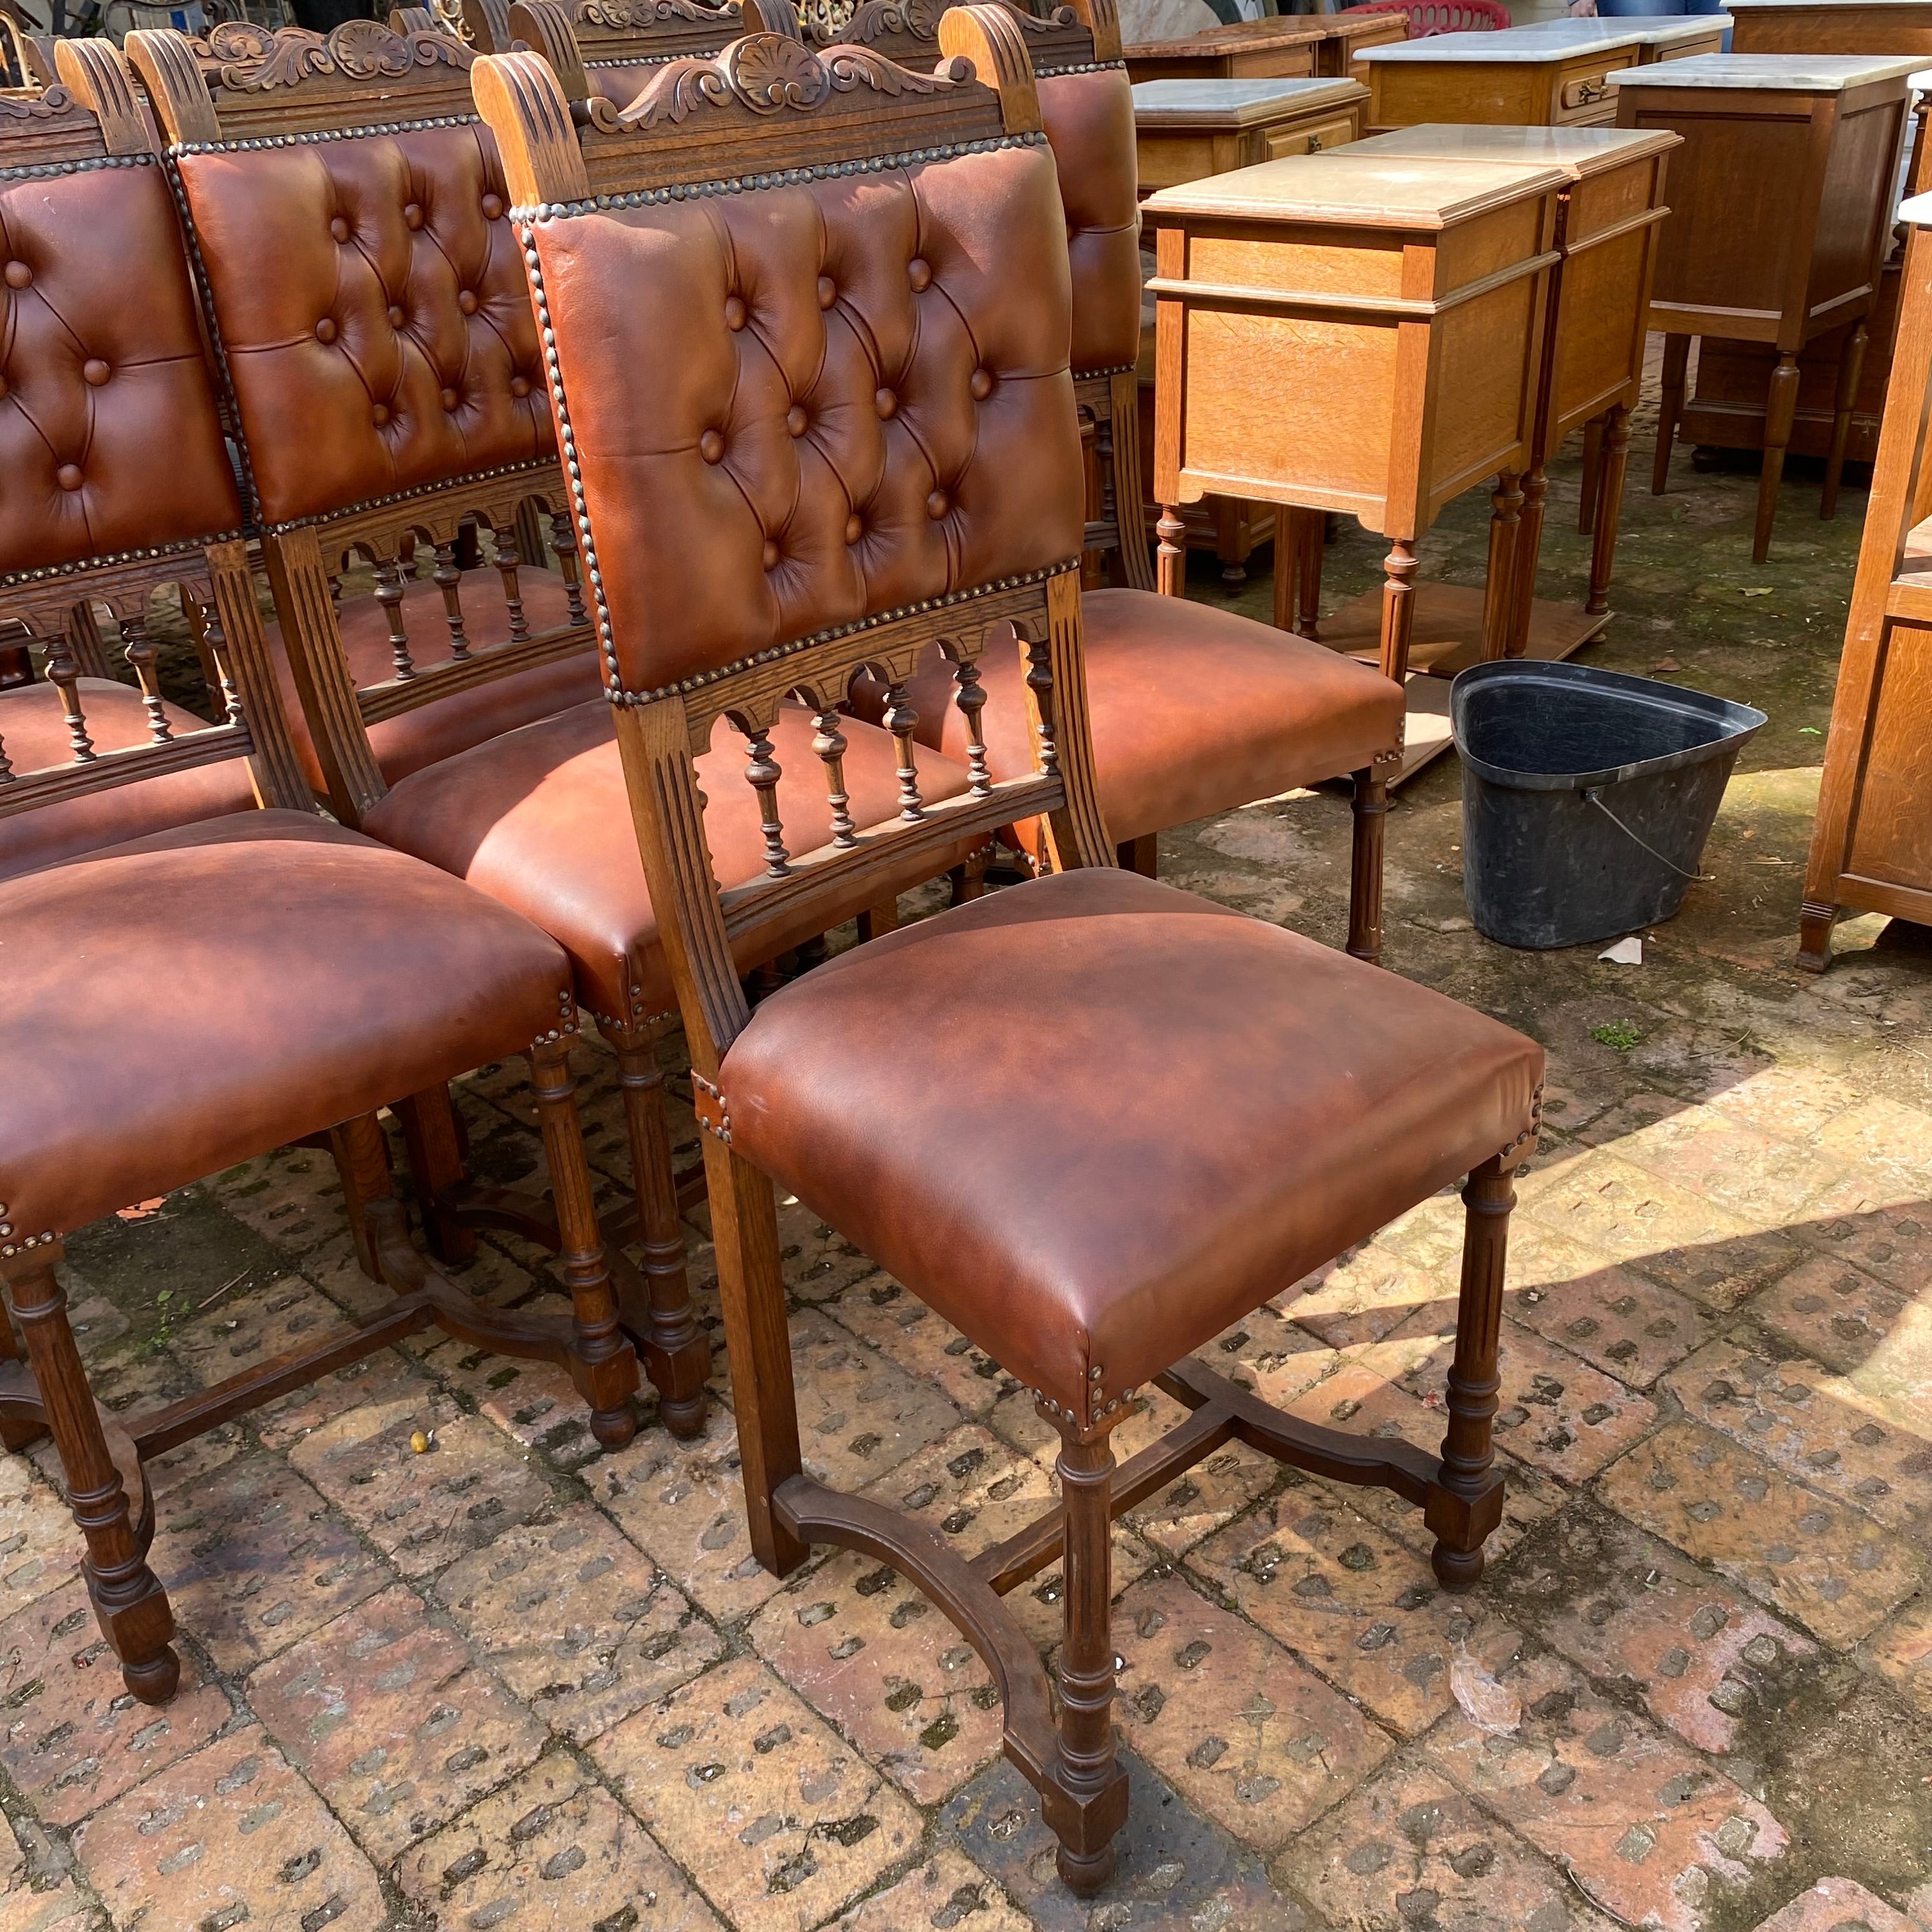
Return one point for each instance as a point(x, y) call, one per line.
point(1488, 1706)
point(1625, 952)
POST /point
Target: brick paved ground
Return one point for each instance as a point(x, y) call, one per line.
point(514, 1682)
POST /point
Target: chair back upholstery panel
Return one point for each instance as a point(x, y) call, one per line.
point(801, 406)
point(374, 314)
point(109, 434)
point(1090, 121)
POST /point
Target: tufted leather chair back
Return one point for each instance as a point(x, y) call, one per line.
point(114, 479)
point(613, 48)
point(812, 362)
point(369, 305)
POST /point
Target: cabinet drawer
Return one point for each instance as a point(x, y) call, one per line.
point(1311, 140)
point(1586, 95)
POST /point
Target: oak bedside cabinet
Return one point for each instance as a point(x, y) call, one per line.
point(1832, 27)
point(1781, 200)
point(1288, 44)
point(1659, 37)
point(1514, 78)
point(1364, 336)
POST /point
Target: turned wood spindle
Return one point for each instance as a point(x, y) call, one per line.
point(509, 561)
point(1039, 682)
point(449, 579)
point(829, 743)
point(142, 656)
point(970, 697)
point(901, 720)
point(391, 584)
point(563, 540)
point(63, 674)
point(764, 771)
point(216, 640)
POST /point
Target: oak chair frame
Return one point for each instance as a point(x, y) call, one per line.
point(243, 86)
point(46, 1390)
point(714, 141)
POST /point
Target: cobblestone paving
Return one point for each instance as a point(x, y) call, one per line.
point(515, 1682)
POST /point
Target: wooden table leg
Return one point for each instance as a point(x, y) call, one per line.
point(1781, 410)
point(1593, 458)
point(1398, 607)
point(1529, 553)
point(1500, 586)
point(1170, 553)
point(1676, 362)
point(1609, 509)
point(1287, 563)
point(1314, 537)
point(1851, 367)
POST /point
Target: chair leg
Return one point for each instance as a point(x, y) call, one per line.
point(1468, 1447)
point(1780, 411)
point(1609, 509)
point(875, 922)
point(1086, 1809)
point(1593, 458)
point(1676, 362)
point(362, 1161)
point(128, 1599)
point(677, 1358)
point(969, 880)
point(1851, 368)
point(603, 1364)
point(1140, 855)
point(430, 1134)
point(1365, 870)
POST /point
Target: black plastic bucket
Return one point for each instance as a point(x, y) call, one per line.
point(1587, 796)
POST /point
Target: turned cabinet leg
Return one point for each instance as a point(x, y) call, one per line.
point(1089, 1803)
point(1365, 869)
point(1780, 411)
point(1593, 458)
point(1676, 362)
point(1230, 515)
point(1499, 588)
point(1851, 369)
point(361, 1150)
point(1287, 563)
point(1171, 553)
point(1814, 936)
point(1529, 551)
point(1609, 509)
point(677, 1358)
point(128, 1600)
point(1465, 1502)
point(602, 1362)
point(436, 1165)
point(1398, 609)
point(1308, 611)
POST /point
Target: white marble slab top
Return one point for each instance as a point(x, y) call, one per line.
point(1655, 30)
point(1513, 45)
point(1579, 151)
point(1793, 73)
point(1814, 6)
point(1234, 104)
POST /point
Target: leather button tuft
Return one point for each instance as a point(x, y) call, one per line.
point(796, 421)
point(18, 275)
point(937, 504)
point(339, 229)
point(828, 292)
point(380, 415)
point(93, 372)
point(736, 314)
point(466, 301)
point(493, 208)
point(982, 385)
point(887, 403)
point(919, 272)
point(711, 446)
point(771, 555)
point(395, 316)
point(413, 216)
point(520, 387)
point(854, 529)
point(450, 399)
point(68, 476)
point(325, 330)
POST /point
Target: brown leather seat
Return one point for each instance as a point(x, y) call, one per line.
point(407, 743)
point(331, 976)
point(540, 820)
point(1029, 1184)
point(33, 729)
point(1195, 710)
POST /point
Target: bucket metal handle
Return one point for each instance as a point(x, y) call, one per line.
point(1592, 795)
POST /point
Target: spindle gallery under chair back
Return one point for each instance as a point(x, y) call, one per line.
point(114, 485)
point(369, 309)
point(862, 436)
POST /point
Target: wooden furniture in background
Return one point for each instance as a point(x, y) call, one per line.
point(1609, 215)
point(1832, 27)
point(1781, 215)
point(1871, 848)
point(1364, 336)
point(1186, 130)
point(1281, 47)
point(1659, 37)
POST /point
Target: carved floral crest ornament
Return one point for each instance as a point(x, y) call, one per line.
point(247, 58)
point(625, 16)
point(875, 17)
point(767, 72)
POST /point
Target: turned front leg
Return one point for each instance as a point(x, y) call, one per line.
point(1676, 362)
point(1609, 509)
point(1851, 371)
point(1780, 411)
point(1171, 553)
point(1365, 870)
point(128, 1599)
point(1500, 587)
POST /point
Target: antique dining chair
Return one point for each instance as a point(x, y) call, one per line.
point(1195, 710)
point(329, 975)
point(1180, 1110)
point(534, 815)
point(611, 47)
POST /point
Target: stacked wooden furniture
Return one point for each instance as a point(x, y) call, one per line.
point(1286, 47)
point(1727, 410)
point(1185, 130)
point(1364, 336)
point(1523, 77)
point(1610, 215)
point(1871, 848)
point(1782, 202)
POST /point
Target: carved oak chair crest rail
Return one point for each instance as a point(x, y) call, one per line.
point(140, 844)
point(1204, 1105)
point(610, 47)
